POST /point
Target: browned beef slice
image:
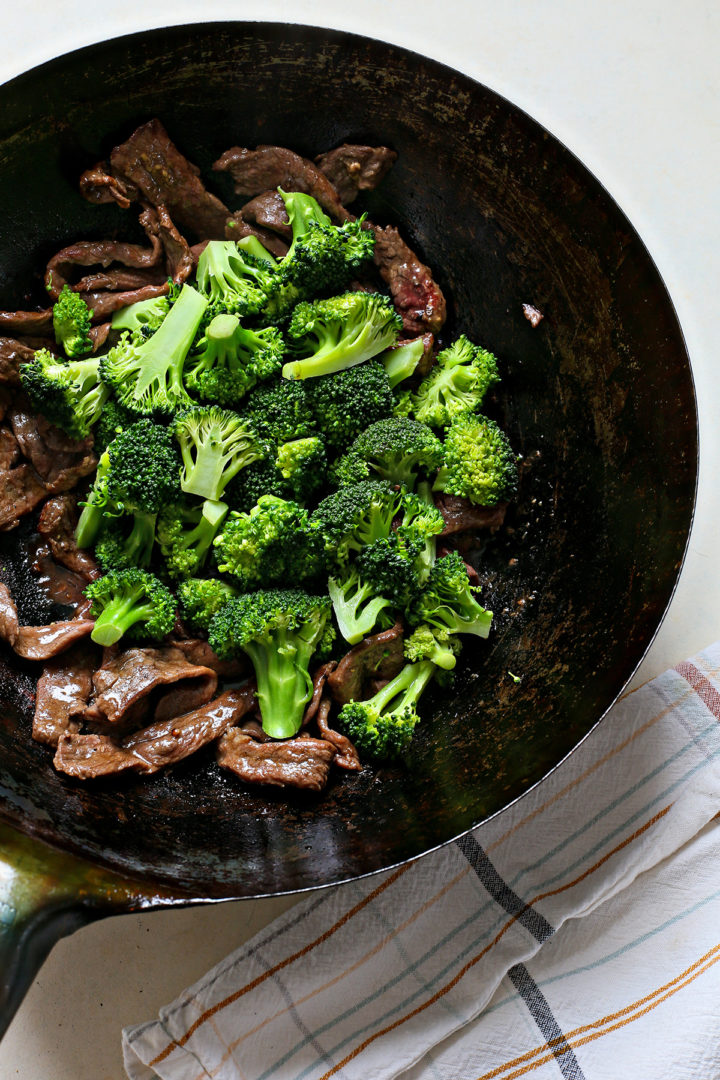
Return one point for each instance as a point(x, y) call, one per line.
point(99, 335)
point(57, 523)
point(88, 756)
point(104, 304)
point(63, 691)
point(21, 490)
point(44, 642)
point(9, 449)
point(237, 227)
point(198, 651)
point(179, 260)
point(58, 460)
point(59, 584)
point(151, 162)
point(12, 355)
point(461, 514)
point(268, 210)
point(9, 625)
point(97, 186)
point(26, 323)
point(259, 170)
point(301, 763)
point(351, 169)
point(127, 687)
point(140, 266)
point(377, 657)
point(346, 756)
point(319, 680)
point(415, 294)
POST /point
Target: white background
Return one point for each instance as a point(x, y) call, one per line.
point(633, 90)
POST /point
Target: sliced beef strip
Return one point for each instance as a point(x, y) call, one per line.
point(140, 265)
point(299, 763)
point(44, 642)
point(9, 449)
point(57, 522)
point(21, 490)
point(179, 260)
point(319, 680)
point(346, 756)
point(86, 757)
point(63, 691)
point(58, 460)
point(98, 186)
point(59, 584)
point(268, 210)
point(460, 514)
point(197, 651)
point(99, 335)
point(351, 169)
point(416, 295)
point(27, 323)
point(104, 304)
point(379, 656)
point(135, 682)
point(152, 163)
point(9, 625)
point(257, 171)
point(12, 355)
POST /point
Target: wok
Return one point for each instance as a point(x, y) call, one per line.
point(598, 399)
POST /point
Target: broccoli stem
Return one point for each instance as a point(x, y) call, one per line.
point(407, 687)
point(400, 362)
point(173, 338)
point(91, 517)
point(356, 609)
point(119, 615)
point(284, 686)
point(252, 245)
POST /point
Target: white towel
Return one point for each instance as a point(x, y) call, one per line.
point(577, 934)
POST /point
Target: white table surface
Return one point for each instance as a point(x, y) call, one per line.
point(633, 90)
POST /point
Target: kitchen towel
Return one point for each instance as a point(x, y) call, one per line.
point(575, 935)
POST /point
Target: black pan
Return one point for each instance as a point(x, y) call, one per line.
point(598, 399)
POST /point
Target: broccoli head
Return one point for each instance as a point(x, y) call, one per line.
point(130, 602)
point(383, 726)
point(142, 319)
point(395, 449)
point(201, 599)
point(348, 402)
point(230, 359)
point(354, 517)
point(458, 383)
point(447, 603)
point(71, 322)
point(436, 644)
point(281, 411)
point(232, 279)
point(125, 540)
point(280, 630)
point(479, 462)
point(358, 607)
point(113, 419)
point(186, 530)
point(68, 393)
point(335, 334)
point(274, 543)
point(215, 444)
point(302, 464)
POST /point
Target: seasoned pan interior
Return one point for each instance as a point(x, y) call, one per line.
point(597, 399)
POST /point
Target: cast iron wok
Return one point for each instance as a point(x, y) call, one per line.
point(598, 400)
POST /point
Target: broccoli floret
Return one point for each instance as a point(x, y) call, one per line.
point(147, 377)
point(401, 360)
point(215, 444)
point(357, 606)
point(354, 517)
point(232, 279)
point(201, 599)
point(142, 319)
point(250, 245)
point(448, 601)
point(281, 411)
point(403, 405)
point(396, 449)
point(113, 419)
point(125, 540)
point(458, 383)
point(302, 464)
point(479, 462)
point(186, 531)
point(251, 483)
point(71, 322)
point(68, 393)
point(433, 643)
point(130, 602)
point(349, 402)
point(231, 359)
point(338, 333)
point(383, 726)
point(280, 630)
point(274, 543)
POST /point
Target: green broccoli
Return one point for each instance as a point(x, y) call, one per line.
point(479, 462)
point(280, 630)
point(433, 643)
point(276, 542)
point(215, 444)
point(338, 333)
point(448, 604)
point(232, 279)
point(281, 411)
point(396, 449)
point(255, 480)
point(383, 726)
point(354, 517)
point(185, 531)
point(113, 419)
point(401, 360)
point(349, 402)
point(68, 393)
point(358, 607)
point(71, 322)
point(201, 599)
point(250, 245)
point(130, 602)
point(142, 319)
point(125, 540)
point(302, 464)
point(230, 359)
point(148, 377)
point(458, 383)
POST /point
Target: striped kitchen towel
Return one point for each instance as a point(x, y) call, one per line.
point(577, 934)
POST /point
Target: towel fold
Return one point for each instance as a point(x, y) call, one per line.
point(576, 934)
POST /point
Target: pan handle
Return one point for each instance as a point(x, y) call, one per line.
point(46, 894)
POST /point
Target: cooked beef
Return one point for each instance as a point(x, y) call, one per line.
point(21, 490)
point(533, 316)
point(155, 166)
point(59, 584)
point(319, 680)
point(415, 294)
point(12, 355)
point(9, 449)
point(44, 642)
point(461, 514)
point(346, 756)
point(7, 398)
point(56, 523)
point(197, 651)
point(134, 683)
point(351, 169)
point(268, 210)
point(99, 335)
point(104, 304)
point(139, 266)
point(9, 625)
point(86, 757)
point(260, 170)
point(98, 186)
point(237, 227)
point(300, 763)
point(58, 460)
point(27, 323)
point(179, 260)
point(63, 691)
point(377, 657)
